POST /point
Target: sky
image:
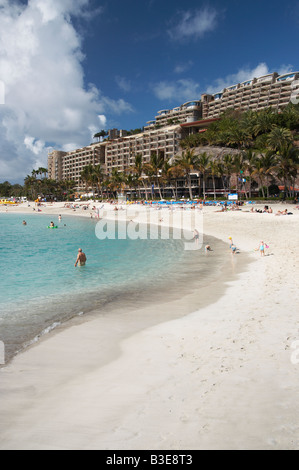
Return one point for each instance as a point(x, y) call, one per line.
point(70, 68)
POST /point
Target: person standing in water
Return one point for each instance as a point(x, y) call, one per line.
point(81, 258)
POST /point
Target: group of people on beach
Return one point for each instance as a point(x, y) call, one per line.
point(268, 210)
point(233, 248)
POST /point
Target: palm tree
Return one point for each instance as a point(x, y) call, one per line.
point(117, 181)
point(269, 161)
point(249, 157)
point(289, 117)
point(166, 176)
point(30, 186)
point(99, 178)
point(139, 171)
point(248, 121)
point(239, 167)
point(227, 162)
point(265, 120)
point(131, 180)
point(288, 164)
point(153, 169)
point(42, 171)
point(215, 172)
point(278, 138)
point(238, 137)
point(259, 172)
point(203, 165)
point(176, 172)
point(100, 135)
point(188, 162)
point(88, 177)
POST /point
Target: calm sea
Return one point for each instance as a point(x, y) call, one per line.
point(40, 287)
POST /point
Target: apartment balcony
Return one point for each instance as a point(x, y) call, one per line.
point(275, 92)
point(284, 101)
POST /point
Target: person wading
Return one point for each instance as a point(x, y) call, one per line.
point(81, 258)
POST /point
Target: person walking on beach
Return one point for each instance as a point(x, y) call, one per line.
point(81, 258)
point(262, 248)
point(196, 236)
point(233, 249)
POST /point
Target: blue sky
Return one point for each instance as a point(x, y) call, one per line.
point(157, 54)
point(72, 67)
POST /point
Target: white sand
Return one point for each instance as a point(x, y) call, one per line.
point(225, 377)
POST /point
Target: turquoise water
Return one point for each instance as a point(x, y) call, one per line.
point(40, 287)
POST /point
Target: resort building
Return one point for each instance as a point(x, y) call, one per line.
point(55, 165)
point(164, 134)
point(69, 165)
point(268, 91)
point(120, 153)
point(187, 112)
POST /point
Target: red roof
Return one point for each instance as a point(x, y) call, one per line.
point(198, 123)
point(282, 188)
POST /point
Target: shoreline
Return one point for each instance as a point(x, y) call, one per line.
point(221, 377)
point(210, 281)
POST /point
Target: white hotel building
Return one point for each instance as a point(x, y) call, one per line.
point(163, 135)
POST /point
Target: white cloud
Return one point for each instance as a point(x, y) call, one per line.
point(183, 67)
point(283, 69)
point(102, 120)
point(194, 24)
point(36, 146)
point(179, 91)
point(123, 83)
point(46, 101)
point(241, 76)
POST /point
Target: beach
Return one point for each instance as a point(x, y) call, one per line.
point(223, 377)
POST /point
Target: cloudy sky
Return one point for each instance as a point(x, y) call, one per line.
point(69, 68)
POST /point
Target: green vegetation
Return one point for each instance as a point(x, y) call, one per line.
point(257, 151)
point(244, 130)
point(38, 185)
point(135, 131)
point(100, 134)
